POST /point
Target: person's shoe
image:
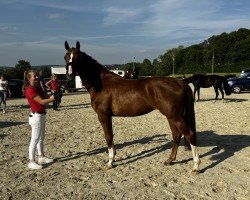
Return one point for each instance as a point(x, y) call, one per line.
point(45, 160)
point(34, 165)
point(4, 111)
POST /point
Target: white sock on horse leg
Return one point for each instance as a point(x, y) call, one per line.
point(196, 158)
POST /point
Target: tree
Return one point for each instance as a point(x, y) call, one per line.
point(146, 68)
point(230, 50)
point(21, 67)
point(12, 73)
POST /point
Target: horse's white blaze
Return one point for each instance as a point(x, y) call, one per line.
point(111, 156)
point(70, 67)
point(71, 57)
point(195, 157)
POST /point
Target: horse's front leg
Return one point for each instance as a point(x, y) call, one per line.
point(195, 90)
point(198, 93)
point(106, 122)
point(216, 93)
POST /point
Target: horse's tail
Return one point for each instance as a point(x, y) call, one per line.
point(226, 86)
point(189, 113)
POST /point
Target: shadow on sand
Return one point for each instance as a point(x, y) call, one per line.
point(159, 138)
point(226, 100)
point(221, 147)
point(9, 124)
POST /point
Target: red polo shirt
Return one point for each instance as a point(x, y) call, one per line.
point(31, 92)
point(54, 85)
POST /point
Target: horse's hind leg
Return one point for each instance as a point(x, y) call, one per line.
point(176, 140)
point(187, 145)
point(106, 123)
point(222, 92)
point(197, 89)
point(191, 138)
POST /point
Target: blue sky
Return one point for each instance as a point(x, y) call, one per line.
point(111, 31)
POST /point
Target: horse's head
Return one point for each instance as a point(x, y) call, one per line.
point(72, 59)
point(79, 63)
point(187, 79)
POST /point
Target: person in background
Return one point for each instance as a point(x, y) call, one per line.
point(37, 102)
point(4, 87)
point(54, 86)
point(41, 81)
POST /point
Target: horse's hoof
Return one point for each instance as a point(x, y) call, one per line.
point(168, 162)
point(107, 167)
point(195, 171)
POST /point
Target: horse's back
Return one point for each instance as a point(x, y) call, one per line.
point(145, 87)
point(137, 97)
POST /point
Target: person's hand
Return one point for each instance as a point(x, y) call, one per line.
point(9, 94)
point(52, 97)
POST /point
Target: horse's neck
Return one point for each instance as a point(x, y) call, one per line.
point(92, 85)
point(87, 85)
point(92, 78)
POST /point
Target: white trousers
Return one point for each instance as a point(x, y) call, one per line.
point(37, 123)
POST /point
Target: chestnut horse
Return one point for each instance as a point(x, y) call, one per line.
point(112, 95)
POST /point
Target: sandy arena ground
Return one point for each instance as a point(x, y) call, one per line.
point(75, 139)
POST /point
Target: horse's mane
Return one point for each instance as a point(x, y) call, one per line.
point(91, 71)
point(89, 61)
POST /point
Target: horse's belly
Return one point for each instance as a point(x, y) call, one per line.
point(130, 110)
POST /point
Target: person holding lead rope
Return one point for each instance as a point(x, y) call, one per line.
point(37, 102)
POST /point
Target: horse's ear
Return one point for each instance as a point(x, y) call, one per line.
point(78, 45)
point(66, 45)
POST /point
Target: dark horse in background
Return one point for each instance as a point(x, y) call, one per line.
point(112, 95)
point(205, 81)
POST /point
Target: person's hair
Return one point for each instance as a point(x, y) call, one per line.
point(26, 78)
point(53, 75)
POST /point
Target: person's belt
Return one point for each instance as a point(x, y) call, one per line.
point(42, 113)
